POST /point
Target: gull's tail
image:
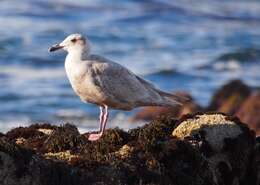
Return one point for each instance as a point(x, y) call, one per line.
point(166, 99)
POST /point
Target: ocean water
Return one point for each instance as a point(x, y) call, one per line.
point(181, 45)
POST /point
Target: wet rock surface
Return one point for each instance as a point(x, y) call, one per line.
point(201, 149)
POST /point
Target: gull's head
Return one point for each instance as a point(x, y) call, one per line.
point(72, 43)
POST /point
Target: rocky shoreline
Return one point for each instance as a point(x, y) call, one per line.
point(199, 149)
point(177, 146)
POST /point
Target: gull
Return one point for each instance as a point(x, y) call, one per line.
point(100, 81)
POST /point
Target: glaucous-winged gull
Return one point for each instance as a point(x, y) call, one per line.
point(107, 84)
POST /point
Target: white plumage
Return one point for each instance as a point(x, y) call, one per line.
point(103, 82)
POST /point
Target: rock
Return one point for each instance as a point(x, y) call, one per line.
point(30, 137)
point(206, 150)
point(24, 132)
point(156, 131)
point(145, 155)
point(99, 151)
point(159, 154)
point(249, 112)
point(152, 112)
point(226, 143)
point(229, 98)
point(66, 137)
point(24, 167)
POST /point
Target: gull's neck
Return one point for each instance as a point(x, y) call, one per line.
point(77, 55)
point(74, 63)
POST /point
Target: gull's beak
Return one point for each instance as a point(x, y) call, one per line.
point(55, 47)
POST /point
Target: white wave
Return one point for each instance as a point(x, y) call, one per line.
point(228, 65)
point(21, 72)
point(70, 114)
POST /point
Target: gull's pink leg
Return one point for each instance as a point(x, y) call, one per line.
point(106, 115)
point(103, 121)
point(92, 137)
point(101, 117)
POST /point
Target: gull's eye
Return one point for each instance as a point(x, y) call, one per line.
point(73, 40)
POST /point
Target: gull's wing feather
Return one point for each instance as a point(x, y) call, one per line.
point(120, 84)
point(177, 98)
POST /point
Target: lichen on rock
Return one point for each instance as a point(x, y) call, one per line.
point(214, 126)
point(45, 131)
point(65, 156)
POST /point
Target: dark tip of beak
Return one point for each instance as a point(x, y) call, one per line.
point(55, 47)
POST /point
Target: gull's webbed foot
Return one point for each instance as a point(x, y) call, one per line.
point(95, 137)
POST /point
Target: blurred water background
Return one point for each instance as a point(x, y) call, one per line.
point(194, 46)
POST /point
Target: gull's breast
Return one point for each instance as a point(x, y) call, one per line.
point(85, 87)
point(83, 84)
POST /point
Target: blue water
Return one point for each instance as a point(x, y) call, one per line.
point(174, 44)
